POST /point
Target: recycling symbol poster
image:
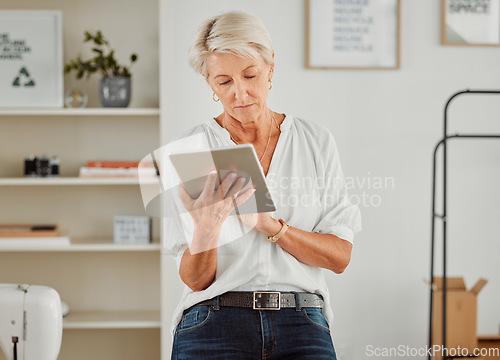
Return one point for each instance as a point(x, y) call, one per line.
point(31, 63)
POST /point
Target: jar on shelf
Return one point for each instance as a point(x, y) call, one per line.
point(76, 98)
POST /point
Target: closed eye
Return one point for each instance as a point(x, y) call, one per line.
point(225, 82)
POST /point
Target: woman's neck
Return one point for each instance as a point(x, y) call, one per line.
point(251, 131)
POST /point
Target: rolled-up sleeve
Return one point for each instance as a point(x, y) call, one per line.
point(177, 223)
point(175, 241)
point(339, 216)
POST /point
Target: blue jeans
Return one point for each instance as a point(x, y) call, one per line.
point(230, 333)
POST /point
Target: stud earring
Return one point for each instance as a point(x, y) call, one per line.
point(214, 97)
point(270, 84)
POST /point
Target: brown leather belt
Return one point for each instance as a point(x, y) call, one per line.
point(266, 300)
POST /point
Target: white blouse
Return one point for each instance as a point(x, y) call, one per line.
point(307, 185)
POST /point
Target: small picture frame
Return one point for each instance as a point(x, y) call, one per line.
point(353, 35)
point(470, 23)
point(132, 229)
point(31, 59)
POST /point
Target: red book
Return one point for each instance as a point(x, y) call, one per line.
point(113, 164)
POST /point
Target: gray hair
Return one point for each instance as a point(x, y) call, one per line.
point(234, 33)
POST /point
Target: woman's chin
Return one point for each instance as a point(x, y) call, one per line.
point(250, 113)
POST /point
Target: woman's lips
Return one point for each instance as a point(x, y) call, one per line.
point(243, 106)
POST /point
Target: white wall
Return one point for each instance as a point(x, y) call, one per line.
point(386, 124)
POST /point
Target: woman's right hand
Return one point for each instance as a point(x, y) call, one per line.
point(216, 201)
point(209, 211)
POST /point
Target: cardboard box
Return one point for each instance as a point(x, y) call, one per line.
point(461, 314)
point(492, 343)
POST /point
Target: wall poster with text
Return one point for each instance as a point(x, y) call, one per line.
point(31, 60)
point(353, 34)
point(470, 22)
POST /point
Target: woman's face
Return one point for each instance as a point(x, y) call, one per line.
point(241, 84)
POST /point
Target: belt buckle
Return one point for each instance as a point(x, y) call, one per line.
point(266, 300)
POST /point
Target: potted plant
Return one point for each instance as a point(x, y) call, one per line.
point(115, 83)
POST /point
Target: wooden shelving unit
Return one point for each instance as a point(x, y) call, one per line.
point(109, 287)
point(112, 320)
point(65, 112)
point(84, 245)
point(73, 181)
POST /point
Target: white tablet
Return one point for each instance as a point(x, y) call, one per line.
point(193, 168)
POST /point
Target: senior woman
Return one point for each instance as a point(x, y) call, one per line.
point(262, 294)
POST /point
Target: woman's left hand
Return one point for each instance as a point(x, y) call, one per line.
point(323, 250)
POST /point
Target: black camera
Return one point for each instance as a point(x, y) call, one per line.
point(41, 167)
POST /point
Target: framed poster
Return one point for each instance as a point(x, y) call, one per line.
point(470, 22)
point(353, 34)
point(31, 63)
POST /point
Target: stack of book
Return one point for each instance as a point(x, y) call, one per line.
point(31, 235)
point(117, 169)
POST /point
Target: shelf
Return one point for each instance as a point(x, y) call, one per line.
point(112, 320)
point(81, 112)
point(73, 181)
point(85, 245)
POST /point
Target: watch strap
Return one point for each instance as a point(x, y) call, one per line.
point(284, 228)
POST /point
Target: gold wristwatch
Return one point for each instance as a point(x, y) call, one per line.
point(284, 228)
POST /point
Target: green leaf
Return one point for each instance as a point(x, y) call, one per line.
point(100, 62)
point(105, 64)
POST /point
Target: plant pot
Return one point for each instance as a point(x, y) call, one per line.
point(115, 91)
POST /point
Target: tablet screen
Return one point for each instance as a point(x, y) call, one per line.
point(193, 168)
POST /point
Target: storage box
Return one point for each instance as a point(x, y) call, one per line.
point(461, 314)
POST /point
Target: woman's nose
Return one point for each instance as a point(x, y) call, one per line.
point(240, 89)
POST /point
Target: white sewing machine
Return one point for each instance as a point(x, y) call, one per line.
point(30, 322)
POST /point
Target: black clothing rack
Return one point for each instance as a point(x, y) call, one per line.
point(443, 142)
